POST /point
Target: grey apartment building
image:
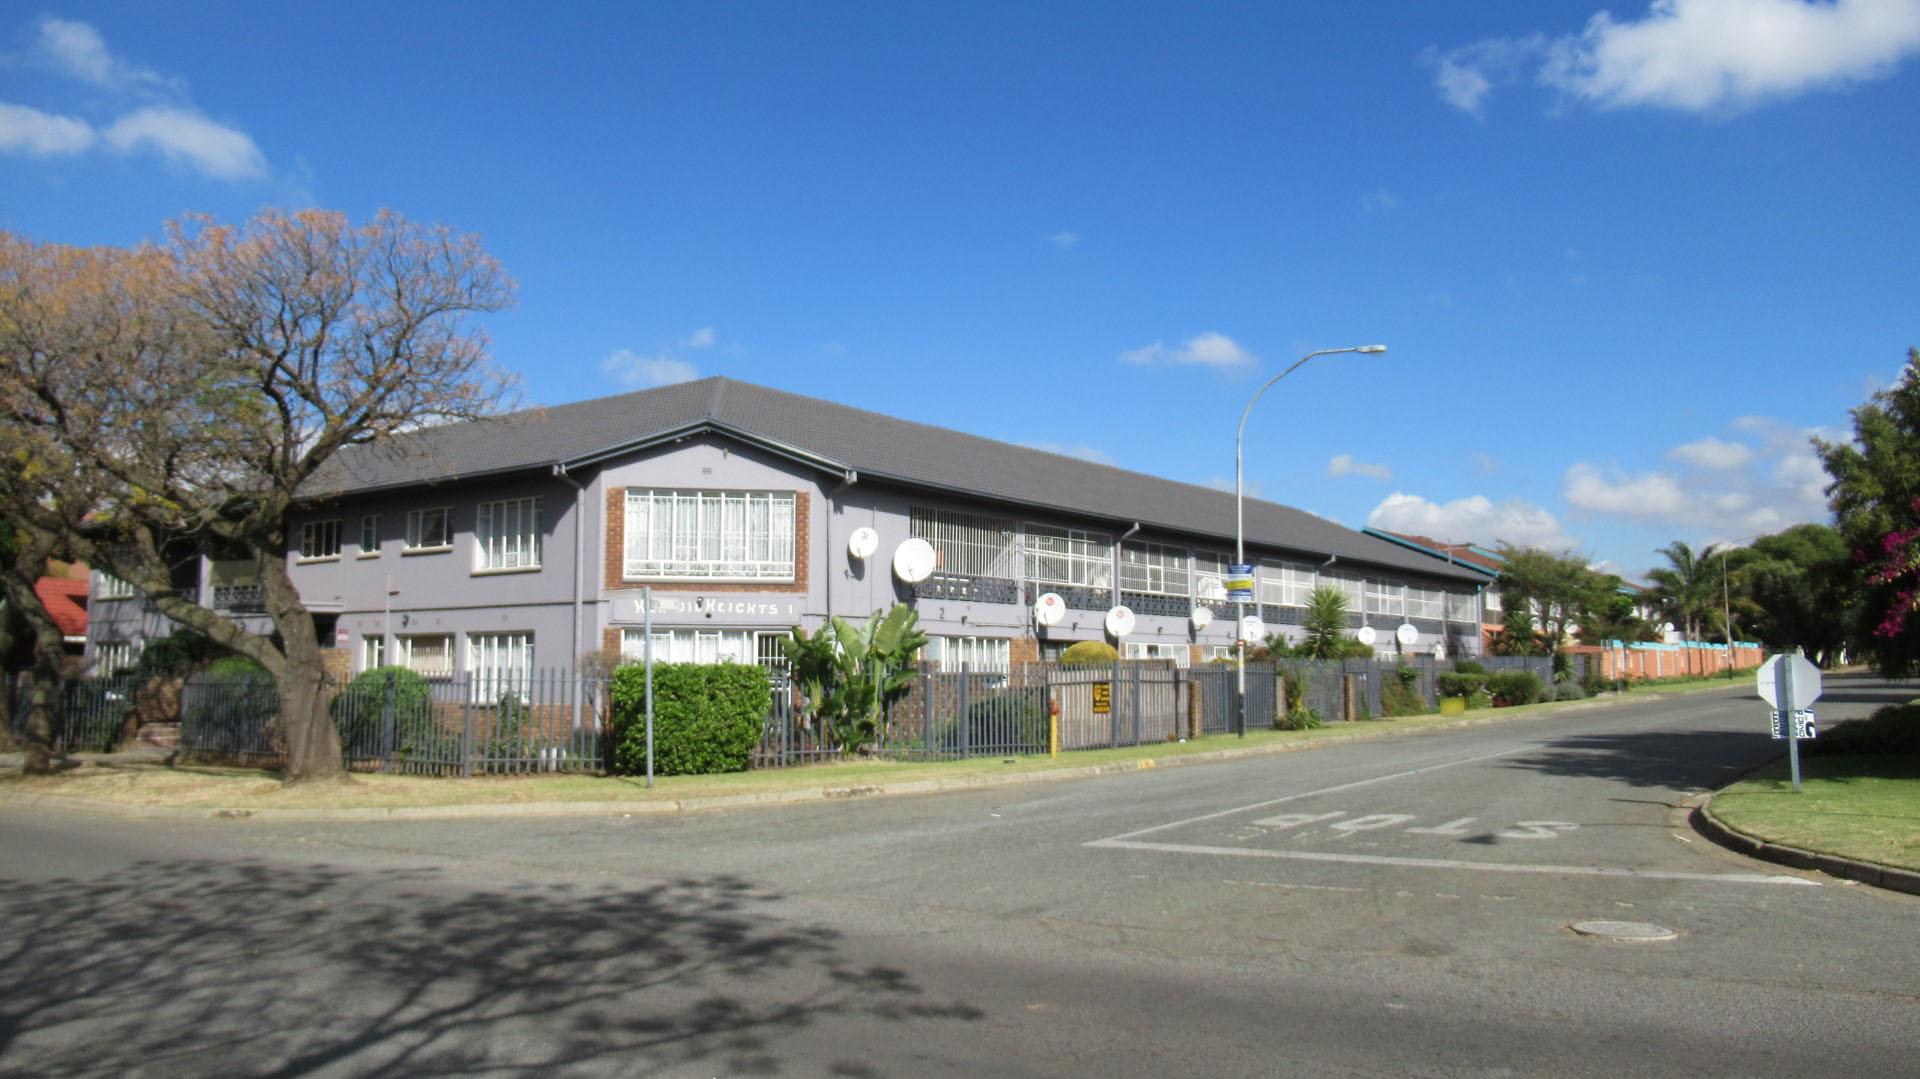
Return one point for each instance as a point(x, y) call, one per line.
point(505, 545)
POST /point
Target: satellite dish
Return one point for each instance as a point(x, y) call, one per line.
point(1366, 635)
point(863, 542)
point(1120, 621)
point(913, 561)
point(1406, 634)
point(1049, 609)
point(1212, 590)
point(1252, 629)
point(1201, 618)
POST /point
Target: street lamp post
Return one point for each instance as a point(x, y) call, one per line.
point(1240, 526)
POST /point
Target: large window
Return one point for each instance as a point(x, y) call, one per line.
point(501, 664)
point(1156, 568)
point(506, 535)
point(1210, 577)
point(1178, 653)
point(429, 654)
point(1492, 600)
point(710, 535)
point(964, 544)
point(1425, 603)
point(1386, 597)
point(430, 529)
point(1351, 587)
point(1286, 584)
point(1069, 556)
point(989, 654)
point(373, 652)
point(704, 646)
point(1461, 608)
point(320, 539)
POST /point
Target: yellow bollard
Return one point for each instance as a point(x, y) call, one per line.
point(1053, 727)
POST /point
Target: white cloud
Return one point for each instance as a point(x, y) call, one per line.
point(1209, 349)
point(184, 135)
point(1379, 200)
point(1713, 453)
point(1344, 464)
point(41, 134)
point(1225, 483)
point(1650, 494)
point(1486, 463)
point(1083, 452)
point(1064, 238)
point(1699, 56)
point(1476, 519)
point(700, 338)
point(631, 369)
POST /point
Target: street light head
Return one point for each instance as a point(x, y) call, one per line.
point(1371, 348)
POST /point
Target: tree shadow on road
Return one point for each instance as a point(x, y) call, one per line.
point(202, 967)
point(1678, 760)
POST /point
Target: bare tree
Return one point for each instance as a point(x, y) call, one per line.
point(297, 336)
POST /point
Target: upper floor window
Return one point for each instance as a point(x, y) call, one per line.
point(507, 534)
point(1461, 607)
point(965, 544)
point(1352, 588)
point(1424, 603)
point(713, 535)
point(370, 535)
point(1386, 597)
point(111, 587)
point(1069, 556)
point(319, 539)
point(1154, 567)
point(429, 530)
point(1286, 584)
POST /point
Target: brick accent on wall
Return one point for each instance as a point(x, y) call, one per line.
point(1023, 650)
point(615, 555)
point(338, 663)
point(610, 638)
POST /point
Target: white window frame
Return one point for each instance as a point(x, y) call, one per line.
point(370, 535)
point(112, 656)
point(404, 647)
point(107, 586)
point(678, 645)
point(498, 663)
point(1159, 569)
point(507, 535)
point(322, 537)
point(1286, 584)
point(419, 531)
point(1387, 598)
point(687, 534)
point(1353, 588)
point(965, 544)
point(1460, 607)
point(980, 655)
point(1209, 577)
point(1180, 654)
point(1490, 601)
point(1074, 557)
point(373, 651)
point(1427, 603)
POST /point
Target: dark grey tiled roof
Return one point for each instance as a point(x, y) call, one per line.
point(876, 446)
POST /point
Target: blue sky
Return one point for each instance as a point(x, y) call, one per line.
point(1625, 263)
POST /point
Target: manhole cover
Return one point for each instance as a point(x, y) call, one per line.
point(1623, 930)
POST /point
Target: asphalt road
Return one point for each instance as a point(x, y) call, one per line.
point(1397, 908)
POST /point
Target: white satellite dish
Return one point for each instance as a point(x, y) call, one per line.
point(1406, 634)
point(1366, 635)
point(1049, 609)
point(1212, 590)
point(863, 542)
point(1120, 621)
point(1201, 618)
point(913, 561)
point(1252, 629)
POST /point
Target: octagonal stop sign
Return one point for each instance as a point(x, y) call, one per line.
point(1803, 676)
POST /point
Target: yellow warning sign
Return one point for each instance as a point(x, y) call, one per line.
point(1102, 698)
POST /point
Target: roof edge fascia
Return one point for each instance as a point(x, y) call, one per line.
point(710, 426)
point(1428, 551)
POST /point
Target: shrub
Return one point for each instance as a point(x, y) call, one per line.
point(1469, 666)
point(229, 687)
point(1089, 653)
point(1299, 719)
point(1400, 694)
point(509, 733)
point(1515, 687)
point(1462, 684)
point(359, 713)
point(176, 654)
point(706, 717)
point(1892, 729)
point(1569, 691)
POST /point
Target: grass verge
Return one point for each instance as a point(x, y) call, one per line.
point(198, 786)
point(1864, 807)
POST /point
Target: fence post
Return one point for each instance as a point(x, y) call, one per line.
point(466, 732)
point(962, 721)
point(386, 726)
point(1113, 713)
point(1136, 704)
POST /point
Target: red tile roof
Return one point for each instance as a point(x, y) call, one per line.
point(1461, 552)
point(66, 600)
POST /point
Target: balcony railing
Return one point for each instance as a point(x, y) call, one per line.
point(239, 598)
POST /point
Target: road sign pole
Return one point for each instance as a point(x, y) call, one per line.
point(1783, 687)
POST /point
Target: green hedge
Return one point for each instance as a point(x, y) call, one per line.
point(1892, 729)
point(1089, 653)
point(706, 717)
point(1461, 684)
point(358, 713)
point(1515, 687)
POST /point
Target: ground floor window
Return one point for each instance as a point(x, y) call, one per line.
point(428, 654)
point(992, 654)
point(112, 657)
point(1178, 653)
point(705, 646)
point(373, 652)
point(500, 663)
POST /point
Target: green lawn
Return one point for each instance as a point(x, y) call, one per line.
point(1863, 807)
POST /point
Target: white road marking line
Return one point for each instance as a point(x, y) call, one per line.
point(1309, 794)
point(1449, 863)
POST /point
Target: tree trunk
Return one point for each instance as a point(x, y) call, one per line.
point(48, 652)
point(313, 743)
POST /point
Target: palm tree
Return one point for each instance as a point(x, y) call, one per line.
point(1688, 590)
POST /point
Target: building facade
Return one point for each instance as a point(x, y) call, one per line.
point(529, 541)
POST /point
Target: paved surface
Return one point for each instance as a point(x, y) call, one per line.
point(1397, 907)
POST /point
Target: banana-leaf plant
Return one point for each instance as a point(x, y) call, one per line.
point(850, 674)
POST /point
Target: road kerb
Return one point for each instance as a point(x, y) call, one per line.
point(1880, 876)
